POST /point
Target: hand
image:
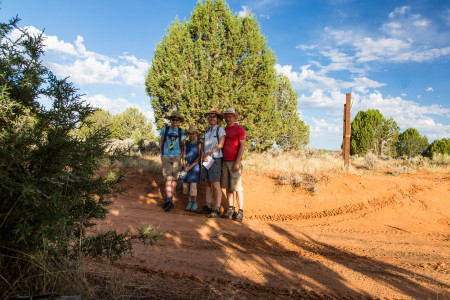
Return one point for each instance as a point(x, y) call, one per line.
point(205, 157)
point(236, 167)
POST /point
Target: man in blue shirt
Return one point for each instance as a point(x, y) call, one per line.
point(171, 145)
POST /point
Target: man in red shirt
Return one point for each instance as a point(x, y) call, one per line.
point(233, 150)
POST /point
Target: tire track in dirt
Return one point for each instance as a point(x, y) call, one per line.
point(371, 206)
point(360, 209)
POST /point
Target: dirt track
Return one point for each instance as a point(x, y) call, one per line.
point(368, 236)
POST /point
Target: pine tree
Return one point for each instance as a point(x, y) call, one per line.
point(217, 60)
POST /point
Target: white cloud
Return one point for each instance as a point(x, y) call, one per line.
point(86, 67)
point(429, 89)
point(306, 47)
point(118, 105)
point(323, 127)
point(244, 12)
point(399, 11)
point(404, 37)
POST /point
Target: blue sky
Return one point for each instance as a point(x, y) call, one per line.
point(391, 55)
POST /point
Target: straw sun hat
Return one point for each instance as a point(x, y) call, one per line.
point(214, 112)
point(176, 114)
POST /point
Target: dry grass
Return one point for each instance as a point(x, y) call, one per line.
point(308, 167)
point(403, 165)
point(35, 275)
point(310, 161)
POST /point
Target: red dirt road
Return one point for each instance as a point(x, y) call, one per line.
point(359, 236)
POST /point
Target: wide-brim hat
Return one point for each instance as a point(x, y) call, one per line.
point(214, 112)
point(230, 111)
point(176, 114)
point(192, 129)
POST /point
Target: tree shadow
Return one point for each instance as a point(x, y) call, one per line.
point(389, 275)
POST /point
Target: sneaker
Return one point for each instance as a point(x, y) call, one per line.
point(230, 212)
point(214, 214)
point(194, 207)
point(169, 206)
point(205, 210)
point(189, 206)
point(239, 217)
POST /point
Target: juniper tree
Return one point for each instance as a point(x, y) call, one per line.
point(441, 146)
point(50, 188)
point(372, 132)
point(219, 60)
point(293, 132)
point(127, 122)
point(411, 143)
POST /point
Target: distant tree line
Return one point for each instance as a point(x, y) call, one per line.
point(131, 123)
point(372, 132)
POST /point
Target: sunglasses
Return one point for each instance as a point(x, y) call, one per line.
point(175, 120)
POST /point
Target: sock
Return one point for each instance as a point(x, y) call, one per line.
point(169, 199)
point(231, 207)
point(208, 204)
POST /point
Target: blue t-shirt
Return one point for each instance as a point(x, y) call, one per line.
point(172, 145)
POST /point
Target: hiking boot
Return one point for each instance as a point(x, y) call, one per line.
point(194, 207)
point(165, 205)
point(230, 212)
point(189, 206)
point(214, 214)
point(205, 210)
point(169, 206)
point(239, 217)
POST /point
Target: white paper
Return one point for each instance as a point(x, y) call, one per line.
point(208, 164)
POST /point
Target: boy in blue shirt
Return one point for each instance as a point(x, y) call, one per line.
point(171, 146)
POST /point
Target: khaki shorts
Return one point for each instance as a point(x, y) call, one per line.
point(232, 181)
point(190, 188)
point(171, 167)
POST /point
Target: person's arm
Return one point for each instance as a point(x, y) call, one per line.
point(216, 148)
point(239, 155)
point(197, 160)
point(183, 157)
point(161, 146)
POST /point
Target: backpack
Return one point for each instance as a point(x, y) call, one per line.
point(166, 132)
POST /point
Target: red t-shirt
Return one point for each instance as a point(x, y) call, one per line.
point(235, 134)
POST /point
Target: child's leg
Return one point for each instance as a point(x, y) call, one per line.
point(193, 195)
point(185, 188)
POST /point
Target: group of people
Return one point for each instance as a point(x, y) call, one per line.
point(216, 161)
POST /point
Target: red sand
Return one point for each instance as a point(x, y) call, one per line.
point(359, 236)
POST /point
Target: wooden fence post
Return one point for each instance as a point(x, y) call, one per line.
point(346, 135)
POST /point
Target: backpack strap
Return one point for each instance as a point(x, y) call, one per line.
point(217, 134)
point(165, 137)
